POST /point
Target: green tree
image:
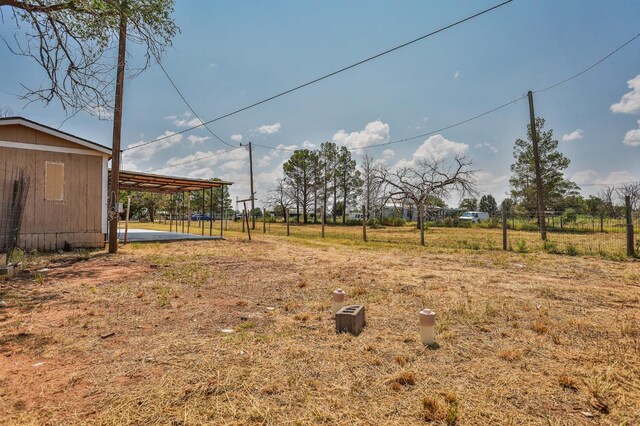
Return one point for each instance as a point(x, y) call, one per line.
point(595, 206)
point(555, 187)
point(328, 155)
point(469, 204)
point(299, 171)
point(75, 41)
point(348, 180)
point(488, 204)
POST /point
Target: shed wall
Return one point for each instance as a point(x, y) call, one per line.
point(47, 224)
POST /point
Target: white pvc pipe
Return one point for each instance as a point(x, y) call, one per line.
point(337, 301)
point(427, 326)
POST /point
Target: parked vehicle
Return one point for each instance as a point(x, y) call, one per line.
point(474, 217)
point(200, 216)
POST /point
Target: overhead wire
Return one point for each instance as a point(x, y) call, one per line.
point(590, 67)
point(316, 80)
point(190, 108)
point(623, 45)
point(194, 160)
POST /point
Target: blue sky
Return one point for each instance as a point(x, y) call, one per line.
point(230, 54)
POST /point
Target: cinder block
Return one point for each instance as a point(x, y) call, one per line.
point(350, 319)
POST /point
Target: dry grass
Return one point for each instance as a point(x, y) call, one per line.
point(225, 333)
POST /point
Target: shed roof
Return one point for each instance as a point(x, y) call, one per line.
point(6, 121)
point(147, 182)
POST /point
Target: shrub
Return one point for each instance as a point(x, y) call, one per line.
point(374, 224)
point(550, 247)
point(572, 250)
point(522, 246)
point(569, 215)
point(17, 255)
point(393, 221)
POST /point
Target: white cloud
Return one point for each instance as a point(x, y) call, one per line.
point(489, 183)
point(266, 159)
point(309, 145)
point(186, 122)
point(197, 139)
point(268, 129)
point(236, 138)
point(234, 165)
point(373, 133)
point(632, 137)
point(585, 176)
point(487, 145)
point(590, 181)
point(146, 152)
point(630, 102)
point(573, 136)
point(103, 113)
point(437, 148)
point(456, 75)
point(388, 154)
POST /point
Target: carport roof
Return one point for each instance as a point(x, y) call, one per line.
point(147, 182)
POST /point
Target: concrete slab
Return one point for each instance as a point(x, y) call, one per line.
point(151, 236)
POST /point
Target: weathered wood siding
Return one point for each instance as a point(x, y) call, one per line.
point(47, 224)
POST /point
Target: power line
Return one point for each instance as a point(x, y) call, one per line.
point(604, 58)
point(189, 106)
point(286, 92)
point(609, 184)
point(276, 148)
point(442, 129)
point(194, 160)
point(590, 67)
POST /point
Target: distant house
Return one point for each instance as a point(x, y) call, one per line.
point(67, 198)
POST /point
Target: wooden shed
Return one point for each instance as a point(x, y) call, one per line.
point(67, 198)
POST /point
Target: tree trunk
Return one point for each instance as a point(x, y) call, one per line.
point(344, 207)
point(315, 206)
point(421, 224)
point(335, 199)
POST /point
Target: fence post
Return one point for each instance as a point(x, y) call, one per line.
point(322, 209)
point(286, 218)
point(504, 229)
point(364, 223)
point(630, 245)
point(264, 220)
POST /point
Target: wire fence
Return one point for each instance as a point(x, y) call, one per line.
point(14, 186)
point(586, 235)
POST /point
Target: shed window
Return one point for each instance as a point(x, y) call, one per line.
point(54, 181)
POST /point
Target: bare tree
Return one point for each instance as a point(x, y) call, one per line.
point(631, 189)
point(281, 195)
point(607, 194)
point(372, 182)
point(425, 180)
point(75, 43)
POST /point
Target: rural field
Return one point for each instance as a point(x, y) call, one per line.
point(238, 332)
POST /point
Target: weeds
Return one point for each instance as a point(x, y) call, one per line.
point(521, 246)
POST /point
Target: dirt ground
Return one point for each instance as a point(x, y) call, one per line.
point(231, 332)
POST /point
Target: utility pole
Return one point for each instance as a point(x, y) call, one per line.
point(536, 159)
point(117, 128)
point(253, 217)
